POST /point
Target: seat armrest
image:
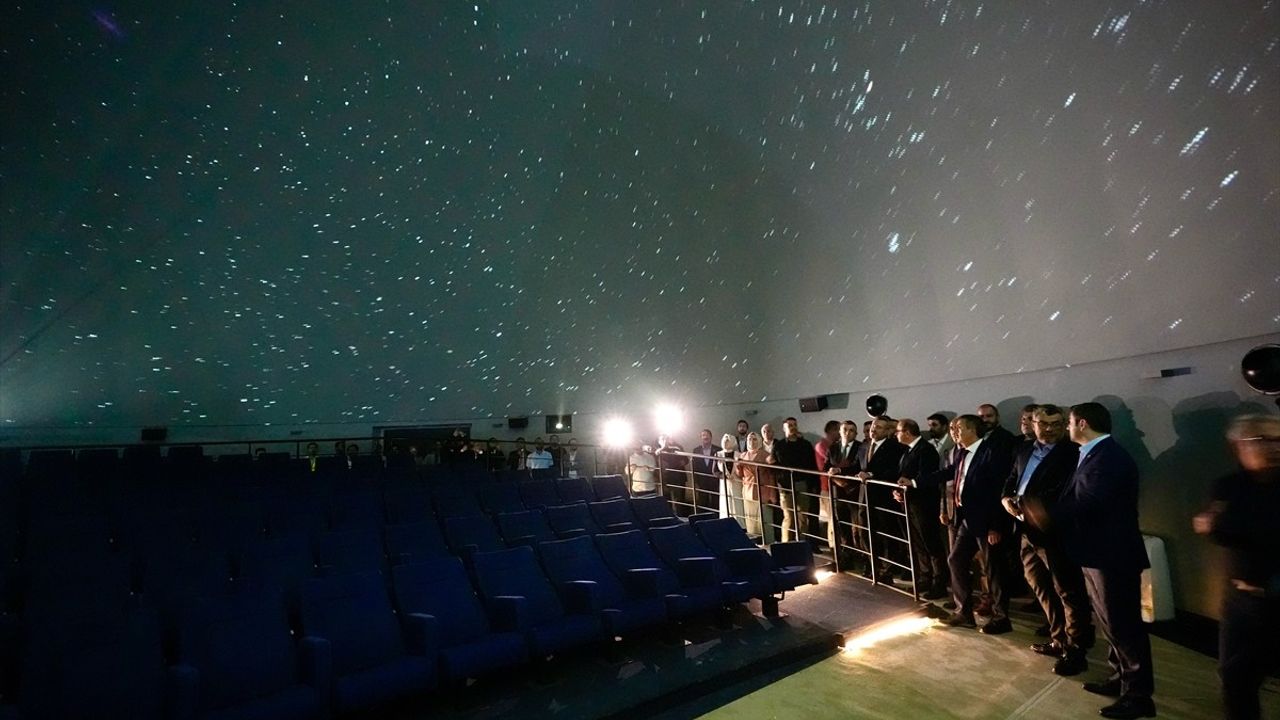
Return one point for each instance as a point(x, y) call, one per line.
point(422, 633)
point(507, 613)
point(527, 540)
point(641, 582)
point(184, 692)
point(696, 571)
point(619, 526)
point(581, 597)
point(571, 533)
point(790, 554)
point(316, 659)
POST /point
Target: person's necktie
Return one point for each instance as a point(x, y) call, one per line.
point(958, 485)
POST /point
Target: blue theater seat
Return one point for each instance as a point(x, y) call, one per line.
point(476, 533)
point(527, 527)
point(469, 645)
point(377, 658)
point(414, 542)
point(653, 511)
point(106, 671)
point(356, 509)
point(499, 498)
point(790, 564)
point(607, 487)
point(681, 549)
point(574, 490)
point(613, 515)
point(519, 597)
point(538, 493)
point(406, 504)
point(451, 501)
point(278, 562)
point(238, 659)
point(349, 551)
point(571, 520)
point(632, 603)
point(297, 511)
point(630, 553)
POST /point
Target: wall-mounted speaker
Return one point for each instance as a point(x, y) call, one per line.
point(813, 404)
point(519, 423)
point(154, 434)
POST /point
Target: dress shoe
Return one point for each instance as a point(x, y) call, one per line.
point(884, 579)
point(1043, 630)
point(1050, 649)
point(1072, 662)
point(1129, 707)
point(950, 604)
point(1109, 688)
point(997, 627)
point(961, 620)
point(935, 594)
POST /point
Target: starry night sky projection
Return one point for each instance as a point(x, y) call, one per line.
point(226, 213)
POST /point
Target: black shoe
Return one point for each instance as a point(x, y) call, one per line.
point(1050, 649)
point(950, 604)
point(1109, 688)
point(1072, 662)
point(997, 627)
point(1129, 707)
point(884, 579)
point(935, 594)
point(1043, 630)
point(961, 620)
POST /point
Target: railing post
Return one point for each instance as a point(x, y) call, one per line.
point(911, 551)
point(871, 533)
point(835, 525)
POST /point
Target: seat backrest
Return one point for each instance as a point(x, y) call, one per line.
point(242, 646)
point(579, 559)
point(176, 581)
point(477, 532)
point(96, 588)
point(574, 518)
point(441, 588)
point(349, 551)
point(631, 550)
point(607, 487)
point(613, 515)
point(499, 498)
point(452, 501)
point(414, 542)
point(354, 509)
point(279, 562)
point(109, 671)
point(539, 493)
point(653, 510)
point(723, 535)
point(677, 542)
point(406, 504)
point(524, 527)
point(353, 612)
point(516, 572)
point(297, 512)
point(573, 490)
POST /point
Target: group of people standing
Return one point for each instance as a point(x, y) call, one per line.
point(1062, 499)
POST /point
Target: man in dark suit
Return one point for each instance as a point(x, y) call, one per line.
point(1098, 520)
point(706, 486)
point(879, 460)
point(917, 473)
point(842, 461)
point(982, 527)
point(993, 432)
point(1041, 470)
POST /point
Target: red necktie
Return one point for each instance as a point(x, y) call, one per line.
point(959, 481)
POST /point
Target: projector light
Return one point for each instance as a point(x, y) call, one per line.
point(618, 433)
point(668, 419)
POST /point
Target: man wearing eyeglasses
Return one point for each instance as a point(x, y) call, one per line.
point(1041, 469)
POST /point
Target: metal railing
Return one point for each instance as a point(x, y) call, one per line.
point(876, 530)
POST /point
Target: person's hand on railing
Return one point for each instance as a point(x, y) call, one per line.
point(897, 495)
point(1011, 505)
point(942, 518)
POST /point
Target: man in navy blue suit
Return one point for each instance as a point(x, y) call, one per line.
point(1097, 517)
point(982, 527)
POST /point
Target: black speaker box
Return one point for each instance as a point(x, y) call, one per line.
point(813, 404)
point(518, 423)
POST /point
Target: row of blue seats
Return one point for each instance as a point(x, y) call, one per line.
point(236, 656)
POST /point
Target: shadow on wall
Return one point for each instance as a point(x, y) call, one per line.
point(1176, 484)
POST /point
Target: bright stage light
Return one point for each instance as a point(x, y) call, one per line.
point(886, 631)
point(618, 433)
point(668, 419)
